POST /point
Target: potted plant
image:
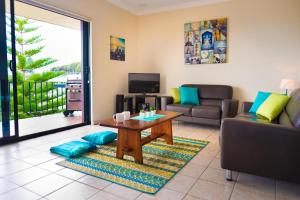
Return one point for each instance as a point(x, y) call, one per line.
point(142, 113)
point(152, 111)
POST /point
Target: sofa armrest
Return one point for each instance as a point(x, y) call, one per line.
point(259, 148)
point(165, 100)
point(229, 108)
point(246, 106)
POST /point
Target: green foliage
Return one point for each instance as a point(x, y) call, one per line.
point(45, 76)
point(73, 68)
point(34, 94)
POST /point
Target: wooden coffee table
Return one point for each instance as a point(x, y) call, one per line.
point(130, 141)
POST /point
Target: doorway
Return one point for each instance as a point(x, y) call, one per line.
point(45, 71)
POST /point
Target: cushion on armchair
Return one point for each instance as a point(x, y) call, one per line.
point(260, 98)
point(175, 93)
point(273, 106)
point(189, 95)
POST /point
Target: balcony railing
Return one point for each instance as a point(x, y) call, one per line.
point(38, 98)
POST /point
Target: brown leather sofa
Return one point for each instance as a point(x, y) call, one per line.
point(251, 144)
point(216, 103)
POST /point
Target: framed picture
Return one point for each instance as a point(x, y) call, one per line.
point(205, 42)
point(117, 48)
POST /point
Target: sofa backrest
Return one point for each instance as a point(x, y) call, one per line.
point(292, 109)
point(213, 92)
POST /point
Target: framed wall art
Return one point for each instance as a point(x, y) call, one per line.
point(205, 42)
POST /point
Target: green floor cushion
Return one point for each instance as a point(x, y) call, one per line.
point(101, 138)
point(73, 148)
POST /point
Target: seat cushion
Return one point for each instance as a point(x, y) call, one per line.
point(101, 138)
point(253, 117)
point(210, 112)
point(182, 108)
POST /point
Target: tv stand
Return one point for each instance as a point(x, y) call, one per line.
point(134, 103)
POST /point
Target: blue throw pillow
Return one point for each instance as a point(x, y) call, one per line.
point(189, 95)
point(101, 137)
point(73, 148)
point(260, 98)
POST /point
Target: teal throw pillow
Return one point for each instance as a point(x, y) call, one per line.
point(100, 138)
point(73, 148)
point(189, 95)
point(260, 99)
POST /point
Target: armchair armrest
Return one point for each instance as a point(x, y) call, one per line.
point(246, 106)
point(229, 108)
point(260, 148)
point(165, 100)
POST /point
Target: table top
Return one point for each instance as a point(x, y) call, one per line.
point(139, 125)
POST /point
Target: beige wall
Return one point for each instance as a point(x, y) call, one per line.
point(264, 38)
point(108, 77)
point(263, 45)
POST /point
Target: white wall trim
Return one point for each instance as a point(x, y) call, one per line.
point(122, 4)
point(55, 9)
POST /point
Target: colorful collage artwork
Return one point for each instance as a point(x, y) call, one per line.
point(206, 42)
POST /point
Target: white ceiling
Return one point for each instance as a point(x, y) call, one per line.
point(142, 7)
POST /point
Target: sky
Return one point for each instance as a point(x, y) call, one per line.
point(61, 43)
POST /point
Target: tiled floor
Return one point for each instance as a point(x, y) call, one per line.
point(28, 171)
point(29, 126)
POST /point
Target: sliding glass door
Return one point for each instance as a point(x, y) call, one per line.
point(7, 72)
point(44, 70)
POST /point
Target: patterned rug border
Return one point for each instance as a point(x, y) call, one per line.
point(204, 141)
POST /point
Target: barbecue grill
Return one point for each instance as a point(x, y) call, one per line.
point(73, 97)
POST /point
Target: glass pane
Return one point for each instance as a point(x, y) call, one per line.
point(49, 69)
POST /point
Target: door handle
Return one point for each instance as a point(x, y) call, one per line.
point(10, 65)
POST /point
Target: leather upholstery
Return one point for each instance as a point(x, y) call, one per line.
point(285, 120)
point(246, 106)
point(270, 150)
point(229, 107)
point(210, 112)
point(211, 102)
point(185, 109)
point(213, 91)
point(253, 145)
point(293, 108)
point(216, 103)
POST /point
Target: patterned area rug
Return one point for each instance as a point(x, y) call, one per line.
point(161, 163)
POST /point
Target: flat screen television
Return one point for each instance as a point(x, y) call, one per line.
point(143, 82)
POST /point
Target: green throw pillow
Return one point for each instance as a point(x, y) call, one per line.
point(175, 94)
point(189, 95)
point(273, 106)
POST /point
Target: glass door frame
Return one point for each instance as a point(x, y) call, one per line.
point(5, 93)
point(85, 40)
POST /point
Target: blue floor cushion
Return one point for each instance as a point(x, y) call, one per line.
point(73, 148)
point(101, 138)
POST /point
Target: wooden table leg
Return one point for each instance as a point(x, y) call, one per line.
point(165, 128)
point(129, 143)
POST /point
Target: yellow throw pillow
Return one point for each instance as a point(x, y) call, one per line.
point(175, 94)
point(273, 106)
